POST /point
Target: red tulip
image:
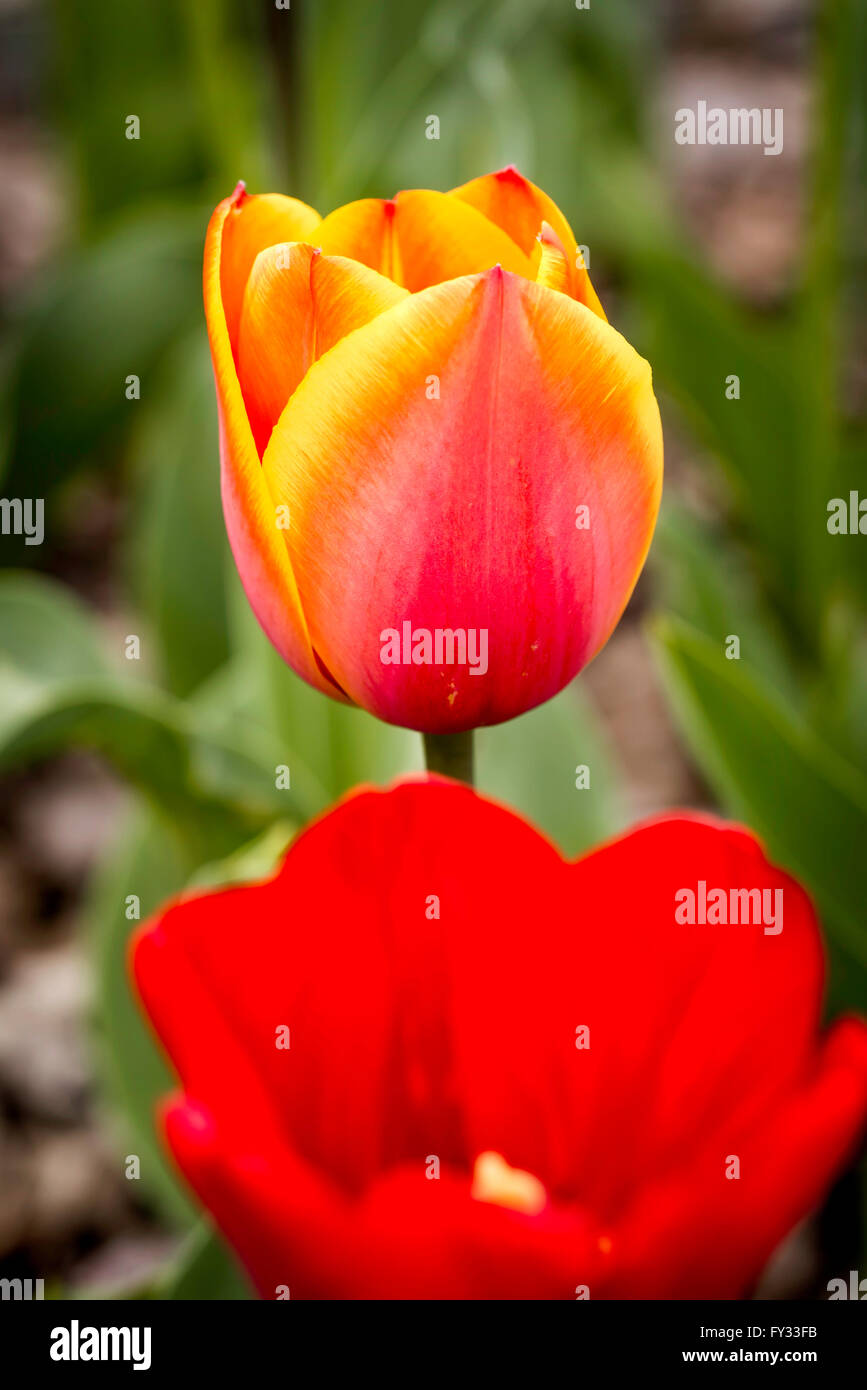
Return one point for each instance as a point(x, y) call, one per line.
point(428, 426)
point(411, 995)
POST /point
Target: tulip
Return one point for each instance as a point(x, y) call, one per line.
point(428, 428)
point(433, 1059)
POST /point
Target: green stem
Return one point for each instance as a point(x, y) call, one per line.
point(451, 755)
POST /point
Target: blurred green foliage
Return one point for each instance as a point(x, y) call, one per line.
point(328, 101)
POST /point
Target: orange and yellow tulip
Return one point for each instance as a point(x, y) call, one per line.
point(441, 466)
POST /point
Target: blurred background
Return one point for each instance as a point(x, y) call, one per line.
point(125, 778)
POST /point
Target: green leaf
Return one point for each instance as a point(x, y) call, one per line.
point(530, 764)
point(251, 863)
point(210, 789)
point(101, 316)
point(104, 71)
point(206, 1270)
point(214, 775)
point(150, 864)
point(697, 338)
point(711, 585)
point(45, 633)
point(179, 539)
point(776, 774)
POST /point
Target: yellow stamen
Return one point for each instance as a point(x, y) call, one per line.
point(494, 1181)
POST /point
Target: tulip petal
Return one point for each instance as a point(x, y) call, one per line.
point(251, 223)
point(417, 1035)
point(788, 1162)
point(420, 238)
point(226, 1095)
point(237, 231)
point(553, 269)
point(297, 305)
point(519, 207)
point(434, 462)
point(676, 1036)
point(243, 1187)
point(430, 1240)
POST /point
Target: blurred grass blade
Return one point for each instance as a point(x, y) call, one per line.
point(205, 1269)
point(697, 337)
point(774, 773)
point(713, 587)
point(179, 540)
point(150, 864)
point(101, 316)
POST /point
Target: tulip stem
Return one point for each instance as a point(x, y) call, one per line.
point(451, 755)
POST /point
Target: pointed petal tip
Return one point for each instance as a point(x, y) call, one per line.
point(493, 279)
